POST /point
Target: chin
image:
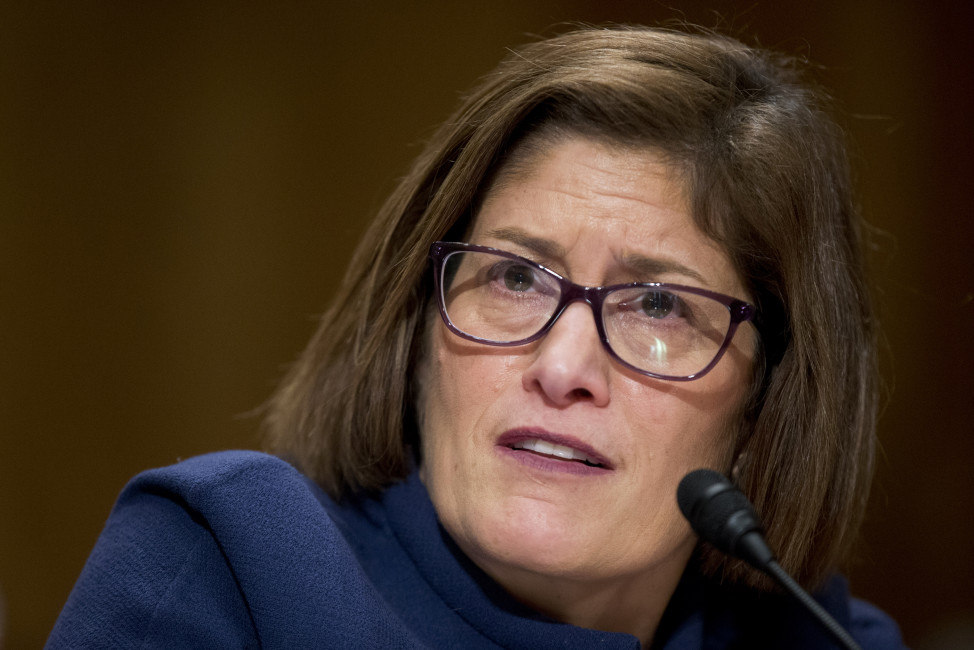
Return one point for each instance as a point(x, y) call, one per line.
point(538, 542)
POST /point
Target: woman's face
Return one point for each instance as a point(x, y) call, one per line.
point(586, 210)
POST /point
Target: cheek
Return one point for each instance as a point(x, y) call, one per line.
point(673, 436)
point(445, 388)
point(693, 424)
point(458, 383)
point(463, 378)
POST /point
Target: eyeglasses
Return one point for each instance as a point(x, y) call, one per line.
point(666, 331)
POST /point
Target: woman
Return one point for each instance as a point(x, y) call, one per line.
point(631, 253)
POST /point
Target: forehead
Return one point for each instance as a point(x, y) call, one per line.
point(528, 157)
point(582, 175)
point(582, 202)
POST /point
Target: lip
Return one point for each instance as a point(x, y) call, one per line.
point(507, 441)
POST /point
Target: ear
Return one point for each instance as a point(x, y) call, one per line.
point(735, 473)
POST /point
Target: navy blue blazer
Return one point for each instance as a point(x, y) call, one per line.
point(239, 550)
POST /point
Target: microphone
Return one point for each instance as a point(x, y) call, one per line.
point(722, 516)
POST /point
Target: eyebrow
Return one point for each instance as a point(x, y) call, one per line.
point(641, 265)
point(648, 267)
point(544, 247)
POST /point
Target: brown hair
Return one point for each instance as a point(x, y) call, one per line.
point(767, 177)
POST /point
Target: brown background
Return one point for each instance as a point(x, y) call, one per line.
point(181, 184)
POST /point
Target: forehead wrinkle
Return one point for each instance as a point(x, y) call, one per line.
point(545, 247)
point(615, 167)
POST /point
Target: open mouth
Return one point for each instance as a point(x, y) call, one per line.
point(553, 450)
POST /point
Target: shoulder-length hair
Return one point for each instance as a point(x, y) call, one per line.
point(766, 176)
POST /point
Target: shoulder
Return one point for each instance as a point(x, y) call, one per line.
point(227, 549)
point(737, 617)
point(238, 497)
point(200, 476)
point(867, 624)
point(872, 627)
point(158, 567)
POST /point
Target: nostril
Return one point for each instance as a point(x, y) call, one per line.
point(582, 393)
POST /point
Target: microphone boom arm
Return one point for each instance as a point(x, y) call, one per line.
point(722, 516)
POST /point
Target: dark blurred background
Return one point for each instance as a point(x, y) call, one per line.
point(182, 183)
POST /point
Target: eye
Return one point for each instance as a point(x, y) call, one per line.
point(518, 277)
point(658, 304)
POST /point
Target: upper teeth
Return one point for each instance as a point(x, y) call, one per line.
point(551, 449)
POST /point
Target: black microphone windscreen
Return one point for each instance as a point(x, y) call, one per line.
point(717, 511)
point(697, 487)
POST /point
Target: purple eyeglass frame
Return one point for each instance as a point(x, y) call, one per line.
point(740, 311)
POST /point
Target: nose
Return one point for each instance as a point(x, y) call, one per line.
point(570, 364)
